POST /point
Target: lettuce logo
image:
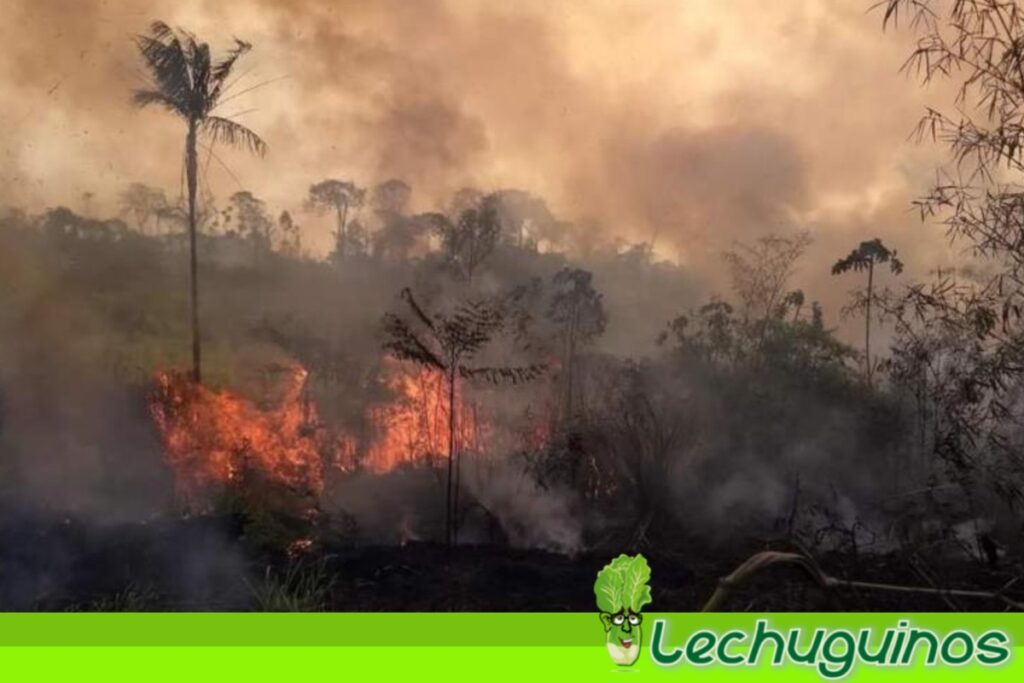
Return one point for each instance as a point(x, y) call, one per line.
point(622, 589)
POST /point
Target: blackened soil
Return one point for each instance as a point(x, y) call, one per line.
point(206, 564)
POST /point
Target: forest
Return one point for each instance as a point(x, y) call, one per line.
point(473, 407)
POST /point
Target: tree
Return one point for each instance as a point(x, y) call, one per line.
point(448, 343)
point(189, 83)
point(392, 196)
point(174, 214)
point(761, 270)
point(291, 235)
point(760, 273)
point(62, 224)
point(396, 233)
point(248, 214)
point(396, 236)
point(972, 316)
point(524, 217)
point(579, 311)
point(358, 240)
point(342, 197)
point(143, 203)
point(469, 239)
point(866, 257)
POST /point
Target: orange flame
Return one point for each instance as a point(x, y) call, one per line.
point(414, 426)
point(212, 437)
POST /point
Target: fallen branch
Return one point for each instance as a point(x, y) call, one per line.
point(811, 568)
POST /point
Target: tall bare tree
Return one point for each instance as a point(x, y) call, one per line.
point(577, 308)
point(188, 82)
point(866, 257)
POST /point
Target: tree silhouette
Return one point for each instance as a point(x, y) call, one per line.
point(396, 233)
point(761, 270)
point(189, 83)
point(524, 217)
point(291, 235)
point(342, 197)
point(248, 214)
point(448, 343)
point(866, 257)
point(577, 308)
point(396, 236)
point(143, 203)
point(471, 236)
point(968, 324)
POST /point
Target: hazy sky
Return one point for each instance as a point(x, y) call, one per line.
point(693, 122)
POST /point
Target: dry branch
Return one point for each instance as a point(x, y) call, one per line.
point(762, 560)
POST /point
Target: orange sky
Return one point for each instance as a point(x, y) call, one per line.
point(695, 122)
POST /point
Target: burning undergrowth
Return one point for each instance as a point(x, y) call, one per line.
point(211, 438)
point(280, 465)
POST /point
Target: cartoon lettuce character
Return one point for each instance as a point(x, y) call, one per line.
point(622, 589)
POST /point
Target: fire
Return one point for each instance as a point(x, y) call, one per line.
point(214, 439)
point(414, 426)
point(211, 437)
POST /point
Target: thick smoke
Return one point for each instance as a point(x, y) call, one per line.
point(662, 123)
point(658, 121)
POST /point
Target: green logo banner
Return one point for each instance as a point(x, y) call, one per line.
point(225, 647)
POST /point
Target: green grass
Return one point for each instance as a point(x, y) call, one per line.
point(300, 587)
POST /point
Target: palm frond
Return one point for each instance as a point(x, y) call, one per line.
point(167, 62)
point(143, 98)
point(161, 31)
point(200, 66)
point(235, 134)
point(261, 84)
point(222, 69)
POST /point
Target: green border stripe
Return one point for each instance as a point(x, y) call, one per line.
point(422, 629)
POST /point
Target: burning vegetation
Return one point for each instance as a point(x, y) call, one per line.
point(477, 395)
point(413, 426)
point(211, 438)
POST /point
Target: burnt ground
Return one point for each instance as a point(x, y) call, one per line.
point(205, 564)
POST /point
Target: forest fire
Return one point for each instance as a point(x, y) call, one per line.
point(466, 336)
point(414, 425)
point(212, 437)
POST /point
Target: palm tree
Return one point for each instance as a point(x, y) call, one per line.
point(865, 257)
point(189, 83)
